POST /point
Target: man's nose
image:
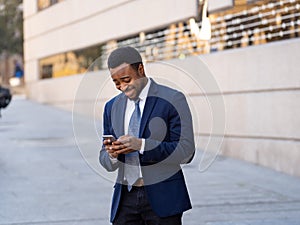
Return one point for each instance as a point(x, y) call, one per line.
point(123, 87)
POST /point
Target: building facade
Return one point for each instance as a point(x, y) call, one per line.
point(251, 48)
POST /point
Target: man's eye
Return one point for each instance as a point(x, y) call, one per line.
point(126, 80)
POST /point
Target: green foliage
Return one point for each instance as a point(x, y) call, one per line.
point(11, 26)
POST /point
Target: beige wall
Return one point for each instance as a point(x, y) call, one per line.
point(261, 88)
point(261, 91)
point(71, 25)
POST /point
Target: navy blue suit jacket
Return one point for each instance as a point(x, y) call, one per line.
point(166, 126)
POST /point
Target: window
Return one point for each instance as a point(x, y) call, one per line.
point(43, 4)
point(69, 63)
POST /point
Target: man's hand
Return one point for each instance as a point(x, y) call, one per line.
point(110, 148)
point(127, 144)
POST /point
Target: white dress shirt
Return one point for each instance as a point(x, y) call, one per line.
point(130, 106)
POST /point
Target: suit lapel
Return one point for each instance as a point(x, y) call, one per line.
point(118, 114)
point(149, 105)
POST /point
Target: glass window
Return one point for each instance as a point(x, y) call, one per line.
point(69, 63)
point(43, 4)
point(247, 23)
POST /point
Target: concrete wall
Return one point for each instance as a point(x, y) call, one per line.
point(260, 87)
point(71, 25)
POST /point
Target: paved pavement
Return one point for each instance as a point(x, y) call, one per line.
point(45, 180)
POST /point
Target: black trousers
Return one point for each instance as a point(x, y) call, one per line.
point(135, 209)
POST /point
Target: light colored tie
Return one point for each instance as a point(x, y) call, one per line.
point(132, 160)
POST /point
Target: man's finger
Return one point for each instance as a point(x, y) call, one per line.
point(125, 151)
point(122, 151)
point(106, 142)
point(117, 142)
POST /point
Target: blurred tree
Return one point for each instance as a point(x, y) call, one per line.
point(11, 31)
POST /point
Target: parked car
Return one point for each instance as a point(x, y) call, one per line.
point(5, 98)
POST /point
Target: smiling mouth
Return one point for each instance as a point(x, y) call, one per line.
point(129, 93)
point(128, 89)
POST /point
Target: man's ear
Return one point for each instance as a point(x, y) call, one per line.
point(141, 70)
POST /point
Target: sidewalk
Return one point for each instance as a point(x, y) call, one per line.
point(45, 180)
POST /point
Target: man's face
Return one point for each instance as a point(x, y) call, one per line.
point(128, 80)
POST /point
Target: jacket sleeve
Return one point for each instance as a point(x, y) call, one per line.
point(104, 158)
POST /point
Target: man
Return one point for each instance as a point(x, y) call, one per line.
point(153, 134)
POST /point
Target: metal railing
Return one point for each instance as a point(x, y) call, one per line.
point(270, 21)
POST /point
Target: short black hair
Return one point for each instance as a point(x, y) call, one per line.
point(122, 55)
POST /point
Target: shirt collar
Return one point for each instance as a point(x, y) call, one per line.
point(144, 93)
